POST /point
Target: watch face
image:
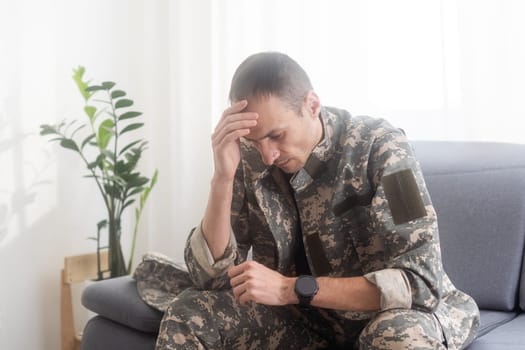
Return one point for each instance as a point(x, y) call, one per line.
point(306, 286)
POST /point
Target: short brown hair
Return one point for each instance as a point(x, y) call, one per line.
point(270, 73)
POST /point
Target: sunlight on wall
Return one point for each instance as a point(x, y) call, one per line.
point(26, 192)
point(25, 163)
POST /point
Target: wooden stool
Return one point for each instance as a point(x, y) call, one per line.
point(77, 268)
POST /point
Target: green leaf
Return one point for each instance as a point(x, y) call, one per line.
point(108, 85)
point(46, 129)
point(101, 224)
point(154, 179)
point(86, 140)
point(108, 155)
point(133, 157)
point(97, 162)
point(136, 190)
point(80, 71)
point(77, 129)
point(109, 189)
point(103, 101)
point(139, 181)
point(90, 111)
point(117, 94)
point(147, 189)
point(123, 103)
point(131, 127)
point(129, 176)
point(129, 115)
point(69, 144)
point(92, 165)
point(99, 112)
point(94, 88)
point(123, 169)
point(69, 125)
point(128, 203)
point(81, 84)
point(129, 146)
point(117, 180)
point(105, 132)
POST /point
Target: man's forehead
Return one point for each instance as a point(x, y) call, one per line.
point(257, 103)
point(258, 132)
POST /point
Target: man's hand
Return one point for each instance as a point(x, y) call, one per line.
point(252, 281)
point(233, 125)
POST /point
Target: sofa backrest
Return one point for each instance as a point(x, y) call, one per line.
point(478, 191)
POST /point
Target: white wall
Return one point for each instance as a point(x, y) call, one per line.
point(441, 69)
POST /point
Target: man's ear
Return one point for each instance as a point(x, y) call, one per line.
point(312, 104)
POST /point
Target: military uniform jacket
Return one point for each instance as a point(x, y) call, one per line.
point(364, 210)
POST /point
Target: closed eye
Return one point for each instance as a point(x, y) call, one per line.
point(276, 136)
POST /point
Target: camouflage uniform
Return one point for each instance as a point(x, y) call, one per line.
point(364, 210)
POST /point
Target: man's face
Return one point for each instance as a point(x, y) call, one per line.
point(283, 136)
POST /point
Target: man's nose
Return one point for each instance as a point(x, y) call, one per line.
point(269, 153)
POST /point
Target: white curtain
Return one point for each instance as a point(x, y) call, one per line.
point(439, 69)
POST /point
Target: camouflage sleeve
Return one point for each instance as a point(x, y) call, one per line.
point(404, 219)
point(204, 270)
point(394, 288)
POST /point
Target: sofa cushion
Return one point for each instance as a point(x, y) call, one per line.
point(493, 319)
point(103, 334)
point(509, 336)
point(117, 299)
point(478, 190)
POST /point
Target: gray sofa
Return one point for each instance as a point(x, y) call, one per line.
point(478, 190)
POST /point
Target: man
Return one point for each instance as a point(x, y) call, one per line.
point(342, 231)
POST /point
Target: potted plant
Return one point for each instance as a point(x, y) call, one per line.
point(111, 162)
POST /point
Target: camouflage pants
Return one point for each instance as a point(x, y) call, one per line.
point(214, 320)
point(196, 319)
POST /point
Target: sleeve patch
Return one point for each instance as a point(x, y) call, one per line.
point(402, 194)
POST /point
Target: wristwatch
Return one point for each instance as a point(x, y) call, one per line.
point(306, 288)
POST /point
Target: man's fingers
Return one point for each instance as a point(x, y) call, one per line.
point(245, 292)
point(236, 281)
point(233, 130)
point(236, 270)
point(235, 113)
point(235, 118)
point(235, 108)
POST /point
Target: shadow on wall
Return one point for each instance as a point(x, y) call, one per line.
point(19, 178)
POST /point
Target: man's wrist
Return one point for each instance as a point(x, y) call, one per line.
point(289, 295)
point(218, 180)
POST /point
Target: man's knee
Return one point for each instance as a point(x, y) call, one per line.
point(189, 321)
point(402, 329)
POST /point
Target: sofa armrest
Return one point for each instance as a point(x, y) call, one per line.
point(117, 299)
